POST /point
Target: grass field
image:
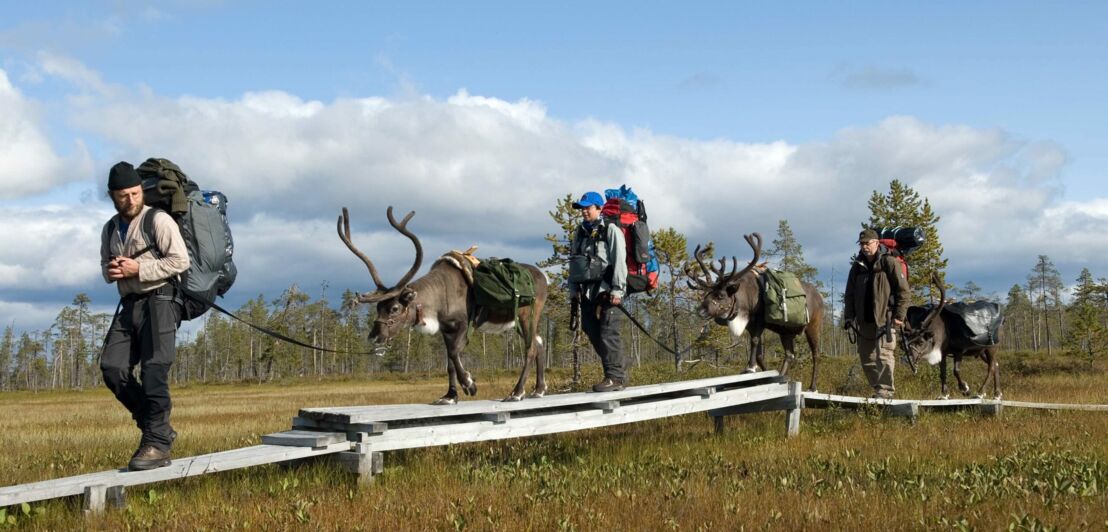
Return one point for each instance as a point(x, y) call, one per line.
point(848, 470)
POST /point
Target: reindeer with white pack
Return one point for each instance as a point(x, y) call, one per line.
point(445, 301)
point(739, 300)
point(955, 330)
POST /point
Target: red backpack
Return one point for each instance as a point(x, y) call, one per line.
point(890, 244)
point(642, 262)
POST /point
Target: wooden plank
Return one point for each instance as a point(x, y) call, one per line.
point(180, 468)
point(385, 413)
point(304, 438)
point(429, 436)
point(606, 406)
point(1055, 406)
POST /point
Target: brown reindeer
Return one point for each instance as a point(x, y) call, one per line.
point(736, 300)
point(935, 336)
point(443, 301)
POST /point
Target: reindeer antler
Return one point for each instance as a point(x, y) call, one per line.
point(942, 301)
point(755, 241)
point(382, 292)
point(343, 227)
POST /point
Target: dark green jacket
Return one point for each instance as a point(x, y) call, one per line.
point(890, 289)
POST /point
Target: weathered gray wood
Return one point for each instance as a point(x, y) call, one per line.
point(94, 498)
point(1054, 406)
point(497, 417)
point(429, 436)
point(333, 426)
point(367, 414)
point(908, 410)
point(792, 414)
point(117, 497)
point(991, 408)
point(719, 423)
point(607, 406)
point(365, 465)
point(304, 438)
point(180, 468)
point(706, 391)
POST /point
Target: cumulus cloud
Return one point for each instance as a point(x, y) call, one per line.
point(480, 169)
point(30, 165)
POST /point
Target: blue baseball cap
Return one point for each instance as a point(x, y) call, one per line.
point(589, 198)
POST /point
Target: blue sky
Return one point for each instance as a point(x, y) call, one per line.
point(993, 110)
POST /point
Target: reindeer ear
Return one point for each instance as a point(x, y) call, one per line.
point(407, 296)
point(732, 287)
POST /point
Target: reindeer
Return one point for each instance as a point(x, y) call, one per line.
point(736, 300)
point(443, 301)
point(937, 336)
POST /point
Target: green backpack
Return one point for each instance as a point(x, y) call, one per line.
point(503, 284)
point(785, 301)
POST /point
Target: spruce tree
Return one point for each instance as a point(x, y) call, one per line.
point(904, 207)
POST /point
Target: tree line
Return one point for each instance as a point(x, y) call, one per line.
point(1039, 317)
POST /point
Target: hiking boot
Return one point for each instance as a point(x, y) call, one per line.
point(608, 385)
point(882, 394)
point(148, 457)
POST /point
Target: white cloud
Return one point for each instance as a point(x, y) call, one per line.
point(28, 163)
point(484, 170)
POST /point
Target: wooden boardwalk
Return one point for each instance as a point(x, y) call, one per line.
point(356, 436)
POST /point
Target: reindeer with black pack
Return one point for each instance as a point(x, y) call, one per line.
point(755, 299)
point(449, 300)
point(955, 330)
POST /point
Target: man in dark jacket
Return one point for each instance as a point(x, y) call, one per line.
point(875, 306)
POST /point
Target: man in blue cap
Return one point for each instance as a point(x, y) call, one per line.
point(598, 282)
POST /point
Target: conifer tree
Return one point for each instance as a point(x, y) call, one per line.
point(789, 255)
point(904, 207)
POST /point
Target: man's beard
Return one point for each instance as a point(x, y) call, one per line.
point(129, 213)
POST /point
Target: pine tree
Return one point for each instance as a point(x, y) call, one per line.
point(7, 347)
point(903, 207)
point(1046, 286)
point(789, 255)
point(673, 253)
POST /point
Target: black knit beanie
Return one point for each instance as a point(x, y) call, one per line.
point(122, 176)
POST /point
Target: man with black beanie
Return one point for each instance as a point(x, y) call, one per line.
point(144, 332)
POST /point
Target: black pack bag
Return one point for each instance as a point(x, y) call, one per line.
point(202, 218)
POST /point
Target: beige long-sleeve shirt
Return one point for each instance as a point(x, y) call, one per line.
point(153, 272)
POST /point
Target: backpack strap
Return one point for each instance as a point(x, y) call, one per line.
point(148, 234)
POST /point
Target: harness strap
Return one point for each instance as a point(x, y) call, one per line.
point(703, 333)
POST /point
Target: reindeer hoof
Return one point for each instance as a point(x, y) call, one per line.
point(752, 369)
point(513, 398)
point(470, 385)
point(998, 397)
point(446, 400)
point(978, 396)
point(536, 394)
point(944, 397)
point(964, 389)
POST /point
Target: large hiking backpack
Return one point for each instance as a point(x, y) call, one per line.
point(785, 300)
point(202, 218)
point(901, 241)
point(503, 284)
point(628, 212)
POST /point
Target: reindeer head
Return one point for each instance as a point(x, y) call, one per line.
point(923, 340)
point(397, 307)
point(723, 298)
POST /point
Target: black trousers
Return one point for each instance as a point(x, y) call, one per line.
point(144, 334)
point(604, 335)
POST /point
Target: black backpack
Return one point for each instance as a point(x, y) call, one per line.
point(202, 218)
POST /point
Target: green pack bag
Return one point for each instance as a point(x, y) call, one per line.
point(503, 284)
point(785, 301)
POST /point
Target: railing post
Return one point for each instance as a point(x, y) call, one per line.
point(792, 414)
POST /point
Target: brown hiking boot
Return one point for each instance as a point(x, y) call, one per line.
point(883, 394)
point(608, 385)
point(148, 457)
